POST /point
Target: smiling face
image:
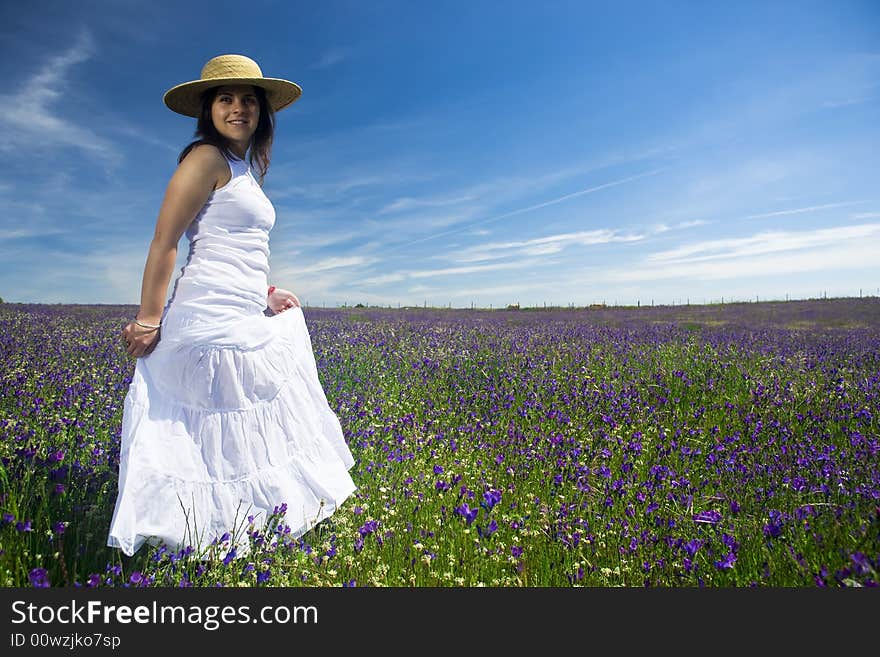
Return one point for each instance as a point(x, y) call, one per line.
point(235, 112)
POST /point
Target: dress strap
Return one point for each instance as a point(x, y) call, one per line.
point(237, 167)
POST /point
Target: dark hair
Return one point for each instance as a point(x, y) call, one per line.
point(261, 142)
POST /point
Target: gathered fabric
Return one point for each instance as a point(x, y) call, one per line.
point(226, 421)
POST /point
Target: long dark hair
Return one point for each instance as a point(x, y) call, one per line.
point(261, 142)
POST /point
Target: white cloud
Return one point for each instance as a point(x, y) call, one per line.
point(382, 279)
point(331, 58)
point(690, 224)
point(432, 273)
point(766, 254)
point(766, 243)
point(408, 203)
point(330, 263)
point(393, 277)
point(538, 206)
point(27, 233)
point(812, 208)
point(542, 245)
point(31, 121)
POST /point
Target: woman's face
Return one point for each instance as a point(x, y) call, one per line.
point(236, 112)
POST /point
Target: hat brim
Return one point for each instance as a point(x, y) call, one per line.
point(186, 98)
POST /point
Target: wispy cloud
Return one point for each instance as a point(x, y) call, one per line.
point(450, 271)
point(766, 243)
point(683, 225)
point(383, 279)
point(543, 245)
point(338, 189)
point(406, 203)
point(331, 57)
point(27, 233)
point(332, 263)
point(812, 208)
point(846, 102)
point(31, 121)
point(398, 276)
point(531, 208)
point(774, 254)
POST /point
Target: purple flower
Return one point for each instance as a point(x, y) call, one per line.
point(438, 469)
point(136, 578)
point(692, 546)
point(94, 580)
point(263, 576)
point(710, 517)
point(39, 578)
point(730, 542)
point(468, 513)
point(23, 526)
point(862, 563)
point(229, 557)
point(491, 498)
point(772, 530)
point(368, 527)
point(727, 562)
point(491, 529)
point(516, 551)
point(441, 485)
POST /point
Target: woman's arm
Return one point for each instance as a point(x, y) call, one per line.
point(189, 188)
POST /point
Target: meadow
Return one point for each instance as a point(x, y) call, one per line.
point(723, 446)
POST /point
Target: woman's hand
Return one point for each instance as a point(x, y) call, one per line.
point(279, 300)
point(139, 341)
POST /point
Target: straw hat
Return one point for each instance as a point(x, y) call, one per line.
point(186, 98)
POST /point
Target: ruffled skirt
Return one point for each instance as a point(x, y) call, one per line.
point(222, 425)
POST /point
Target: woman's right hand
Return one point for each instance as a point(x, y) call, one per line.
point(139, 341)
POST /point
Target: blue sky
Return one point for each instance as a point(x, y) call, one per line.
point(464, 153)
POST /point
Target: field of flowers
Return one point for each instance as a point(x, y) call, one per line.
point(725, 445)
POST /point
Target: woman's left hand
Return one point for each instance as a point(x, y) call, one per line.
point(280, 300)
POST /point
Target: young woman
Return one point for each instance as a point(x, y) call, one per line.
point(225, 418)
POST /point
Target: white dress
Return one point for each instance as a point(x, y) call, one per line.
point(226, 419)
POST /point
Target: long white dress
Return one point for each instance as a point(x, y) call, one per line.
point(226, 419)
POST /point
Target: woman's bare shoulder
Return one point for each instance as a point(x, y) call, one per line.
point(205, 155)
point(205, 160)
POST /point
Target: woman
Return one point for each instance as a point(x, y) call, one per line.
point(225, 418)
